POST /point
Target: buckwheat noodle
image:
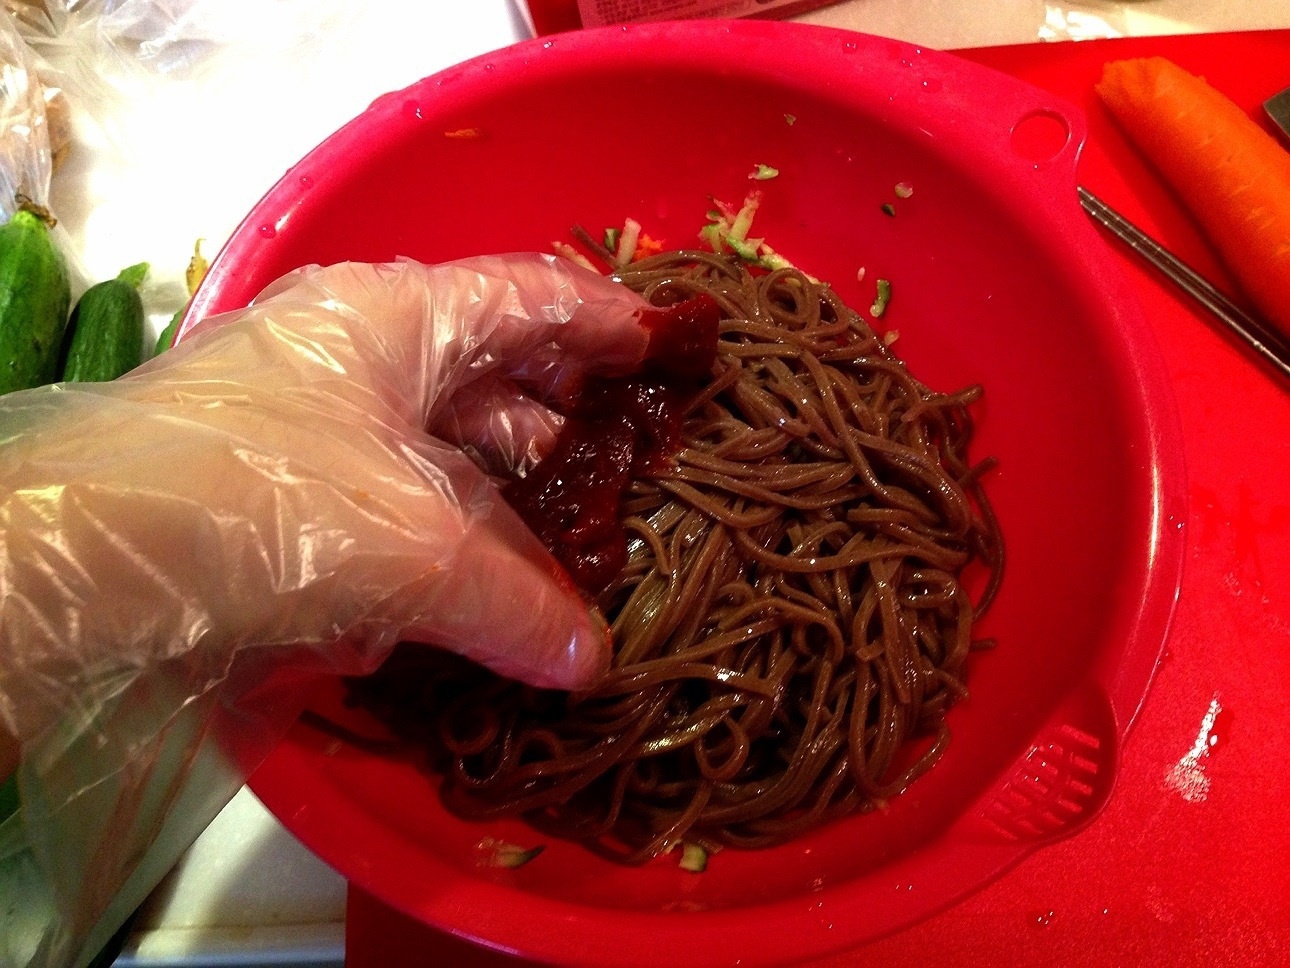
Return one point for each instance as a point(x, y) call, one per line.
point(793, 621)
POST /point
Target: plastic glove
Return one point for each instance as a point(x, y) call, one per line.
point(283, 494)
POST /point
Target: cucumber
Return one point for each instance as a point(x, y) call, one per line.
point(34, 297)
point(166, 338)
point(105, 333)
point(193, 276)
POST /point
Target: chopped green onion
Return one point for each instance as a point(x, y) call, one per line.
point(694, 858)
point(880, 301)
point(790, 118)
point(888, 209)
point(611, 239)
point(764, 173)
point(904, 190)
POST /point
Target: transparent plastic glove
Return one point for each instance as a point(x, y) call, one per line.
point(280, 495)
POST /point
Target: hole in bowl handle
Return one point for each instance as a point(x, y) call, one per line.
point(1059, 783)
point(1026, 128)
point(1041, 135)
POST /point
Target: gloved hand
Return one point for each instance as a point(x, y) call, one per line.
point(285, 492)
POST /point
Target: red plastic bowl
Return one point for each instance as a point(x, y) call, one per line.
point(996, 277)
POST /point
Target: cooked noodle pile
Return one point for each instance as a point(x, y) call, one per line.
point(792, 624)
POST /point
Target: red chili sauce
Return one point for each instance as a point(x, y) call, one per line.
point(615, 429)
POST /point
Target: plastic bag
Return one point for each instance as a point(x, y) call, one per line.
point(26, 153)
point(41, 18)
point(185, 550)
point(1083, 21)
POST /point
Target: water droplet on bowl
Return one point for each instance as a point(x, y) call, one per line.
point(267, 231)
point(306, 181)
point(412, 109)
point(1041, 919)
point(932, 85)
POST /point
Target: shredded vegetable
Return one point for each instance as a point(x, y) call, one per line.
point(498, 853)
point(728, 230)
point(881, 299)
point(627, 240)
point(567, 251)
point(694, 858)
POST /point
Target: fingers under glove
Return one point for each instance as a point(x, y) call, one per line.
point(418, 334)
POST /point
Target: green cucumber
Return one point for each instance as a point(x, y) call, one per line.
point(34, 297)
point(166, 338)
point(193, 276)
point(105, 334)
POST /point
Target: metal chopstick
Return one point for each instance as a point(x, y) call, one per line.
point(1263, 340)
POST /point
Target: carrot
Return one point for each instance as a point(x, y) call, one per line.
point(646, 247)
point(1231, 175)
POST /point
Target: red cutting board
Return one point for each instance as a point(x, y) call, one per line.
point(1190, 862)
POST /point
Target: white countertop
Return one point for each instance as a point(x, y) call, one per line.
point(247, 893)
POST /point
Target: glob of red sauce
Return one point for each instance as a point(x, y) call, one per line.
point(616, 429)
